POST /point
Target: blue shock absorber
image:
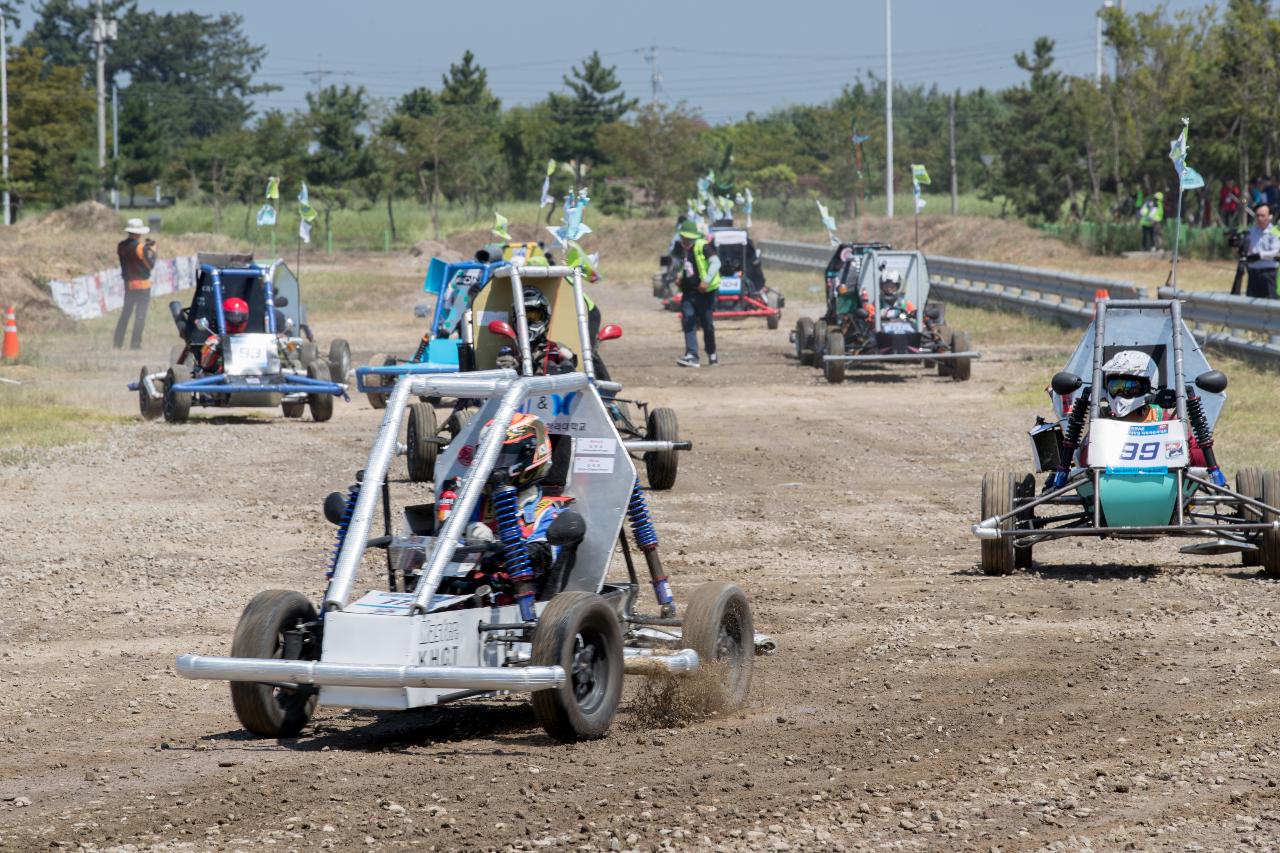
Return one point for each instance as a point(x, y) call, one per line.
point(647, 540)
point(506, 513)
point(352, 495)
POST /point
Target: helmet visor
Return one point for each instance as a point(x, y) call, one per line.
point(536, 315)
point(1128, 386)
point(236, 319)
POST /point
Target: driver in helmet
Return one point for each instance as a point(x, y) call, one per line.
point(893, 303)
point(525, 461)
point(236, 313)
point(548, 356)
point(1128, 381)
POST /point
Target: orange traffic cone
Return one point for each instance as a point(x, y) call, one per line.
point(9, 349)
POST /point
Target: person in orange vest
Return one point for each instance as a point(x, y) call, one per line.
point(137, 258)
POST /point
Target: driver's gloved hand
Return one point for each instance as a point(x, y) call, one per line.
point(1218, 478)
point(1058, 480)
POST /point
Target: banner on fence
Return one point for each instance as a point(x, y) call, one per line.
point(93, 295)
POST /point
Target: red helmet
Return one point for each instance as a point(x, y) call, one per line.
point(236, 311)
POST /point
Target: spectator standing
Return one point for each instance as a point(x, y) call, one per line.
point(137, 259)
point(1262, 245)
point(1229, 203)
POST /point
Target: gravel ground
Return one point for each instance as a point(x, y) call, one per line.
point(1116, 696)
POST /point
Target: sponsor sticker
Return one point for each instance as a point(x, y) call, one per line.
point(596, 446)
point(593, 465)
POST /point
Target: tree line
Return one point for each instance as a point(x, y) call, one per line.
point(1056, 145)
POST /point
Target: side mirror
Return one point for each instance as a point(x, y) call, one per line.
point(610, 332)
point(1212, 381)
point(501, 328)
point(1065, 383)
point(281, 301)
point(203, 325)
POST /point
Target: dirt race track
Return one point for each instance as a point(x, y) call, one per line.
point(1096, 702)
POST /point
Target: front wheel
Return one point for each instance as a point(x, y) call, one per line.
point(945, 367)
point(293, 408)
point(804, 340)
point(773, 319)
point(662, 465)
point(1249, 484)
point(265, 709)
point(834, 370)
point(149, 407)
point(579, 632)
point(339, 360)
point(321, 403)
point(1270, 555)
point(998, 492)
point(378, 399)
point(961, 368)
point(719, 627)
point(421, 439)
point(177, 404)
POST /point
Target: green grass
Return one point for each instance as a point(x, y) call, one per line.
point(33, 420)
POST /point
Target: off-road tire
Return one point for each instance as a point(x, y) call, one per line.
point(719, 627)
point(149, 407)
point(820, 330)
point(321, 404)
point(339, 360)
point(804, 340)
point(457, 422)
point(175, 352)
point(307, 353)
point(377, 399)
point(583, 707)
point(998, 490)
point(176, 404)
point(1249, 484)
point(659, 285)
point(961, 368)
point(945, 367)
point(772, 321)
point(293, 408)
point(420, 438)
point(265, 710)
point(834, 370)
point(1270, 554)
point(662, 466)
point(1024, 488)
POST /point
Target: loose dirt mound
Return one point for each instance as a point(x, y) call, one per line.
point(86, 216)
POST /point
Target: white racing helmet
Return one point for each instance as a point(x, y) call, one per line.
point(890, 285)
point(1128, 379)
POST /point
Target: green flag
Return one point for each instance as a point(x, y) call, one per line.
point(500, 226)
point(919, 174)
point(273, 187)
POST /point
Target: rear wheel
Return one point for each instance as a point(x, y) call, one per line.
point(1271, 537)
point(662, 465)
point(820, 330)
point(421, 439)
point(579, 632)
point(307, 353)
point(378, 399)
point(457, 422)
point(293, 408)
point(772, 321)
point(804, 340)
point(718, 626)
point(177, 404)
point(321, 403)
point(834, 370)
point(149, 407)
point(1249, 484)
point(998, 490)
point(339, 360)
point(265, 709)
point(961, 368)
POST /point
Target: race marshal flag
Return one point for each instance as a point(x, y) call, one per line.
point(304, 230)
point(500, 226)
point(1188, 178)
point(273, 187)
point(303, 195)
point(829, 223)
point(266, 216)
point(547, 198)
point(919, 174)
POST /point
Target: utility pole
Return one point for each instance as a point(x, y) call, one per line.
point(4, 112)
point(955, 206)
point(103, 31)
point(115, 145)
point(655, 76)
point(888, 109)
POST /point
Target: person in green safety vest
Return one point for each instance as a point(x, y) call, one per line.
point(1150, 215)
point(699, 280)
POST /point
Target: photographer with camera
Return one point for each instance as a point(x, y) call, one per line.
point(1260, 247)
point(137, 259)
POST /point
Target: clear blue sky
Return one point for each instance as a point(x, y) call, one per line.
point(724, 58)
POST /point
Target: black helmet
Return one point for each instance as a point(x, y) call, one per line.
point(537, 313)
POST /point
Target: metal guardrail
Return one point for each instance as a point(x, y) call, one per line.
point(1240, 325)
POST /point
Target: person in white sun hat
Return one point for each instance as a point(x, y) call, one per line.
point(137, 259)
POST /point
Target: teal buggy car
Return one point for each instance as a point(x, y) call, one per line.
point(1130, 452)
